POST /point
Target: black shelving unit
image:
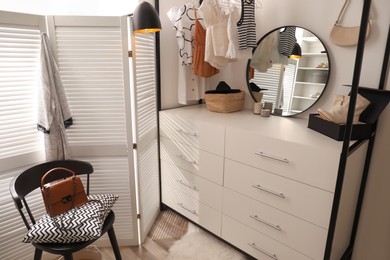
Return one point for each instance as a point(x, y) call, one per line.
point(379, 99)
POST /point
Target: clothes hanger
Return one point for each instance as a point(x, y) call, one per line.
point(195, 3)
point(237, 3)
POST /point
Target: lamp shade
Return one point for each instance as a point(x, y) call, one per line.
point(296, 52)
point(146, 19)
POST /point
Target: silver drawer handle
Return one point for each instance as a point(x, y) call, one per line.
point(190, 210)
point(186, 184)
point(272, 157)
point(186, 159)
point(279, 194)
point(277, 227)
point(273, 256)
point(181, 131)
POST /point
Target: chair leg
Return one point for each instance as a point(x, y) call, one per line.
point(114, 243)
point(68, 257)
point(37, 254)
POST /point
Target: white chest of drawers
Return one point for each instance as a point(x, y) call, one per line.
point(265, 185)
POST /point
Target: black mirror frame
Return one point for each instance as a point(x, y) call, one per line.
point(327, 79)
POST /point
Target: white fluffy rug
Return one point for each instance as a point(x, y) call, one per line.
point(196, 244)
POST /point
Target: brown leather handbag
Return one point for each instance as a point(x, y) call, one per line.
point(64, 194)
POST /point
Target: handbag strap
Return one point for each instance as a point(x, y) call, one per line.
point(72, 173)
point(343, 10)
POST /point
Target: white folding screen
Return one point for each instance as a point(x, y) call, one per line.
point(93, 64)
point(145, 115)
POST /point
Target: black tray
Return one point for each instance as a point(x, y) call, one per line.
point(378, 102)
point(336, 131)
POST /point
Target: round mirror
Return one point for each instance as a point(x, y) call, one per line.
point(289, 68)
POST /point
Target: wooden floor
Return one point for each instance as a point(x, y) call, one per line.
point(168, 228)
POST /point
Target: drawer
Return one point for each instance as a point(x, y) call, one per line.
point(255, 243)
point(191, 208)
point(201, 163)
point(287, 229)
point(301, 200)
point(185, 182)
point(308, 164)
point(202, 135)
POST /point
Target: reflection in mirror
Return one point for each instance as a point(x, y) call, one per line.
point(289, 68)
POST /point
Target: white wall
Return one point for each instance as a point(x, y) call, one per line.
point(318, 16)
point(70, 7)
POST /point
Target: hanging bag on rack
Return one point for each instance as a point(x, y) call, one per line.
point(346, 36)
point(63, 195)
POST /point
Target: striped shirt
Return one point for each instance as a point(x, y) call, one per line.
point(247, 26)
point(287, 41)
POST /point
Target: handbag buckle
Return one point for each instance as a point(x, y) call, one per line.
point(66, 199)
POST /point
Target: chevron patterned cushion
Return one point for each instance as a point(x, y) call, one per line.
point(86, 224)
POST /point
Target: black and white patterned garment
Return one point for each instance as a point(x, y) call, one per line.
point(287, 41)
point(183, 19)
point(247, 26)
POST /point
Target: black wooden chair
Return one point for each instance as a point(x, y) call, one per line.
point(30, 180)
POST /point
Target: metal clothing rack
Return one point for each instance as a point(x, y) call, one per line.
point(382, 97)
point(258, 4)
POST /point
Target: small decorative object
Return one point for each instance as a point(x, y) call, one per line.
point(265, 112)
point(346, 36)
point(278, 111)
point(256, 91)
point(257, 108)
point(258, 96)
point(268, 105)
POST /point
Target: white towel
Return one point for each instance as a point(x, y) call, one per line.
point(53, 110)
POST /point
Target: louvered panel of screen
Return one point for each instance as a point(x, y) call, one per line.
point(111, 174)
point(270, 80)
point(146, 124)
point(20, 142)
point(288, 86)
point(19, 67)
point(91, 59)
point(91, 67)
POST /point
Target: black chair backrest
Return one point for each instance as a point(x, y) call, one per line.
point(30, 180)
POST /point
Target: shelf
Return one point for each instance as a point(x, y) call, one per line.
point(313, 54)
point(360, 131)
point(295, 111)
point(310, 39)
point(379, 99)
point(310, 83)
point(313, 68)
point(306, 98)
